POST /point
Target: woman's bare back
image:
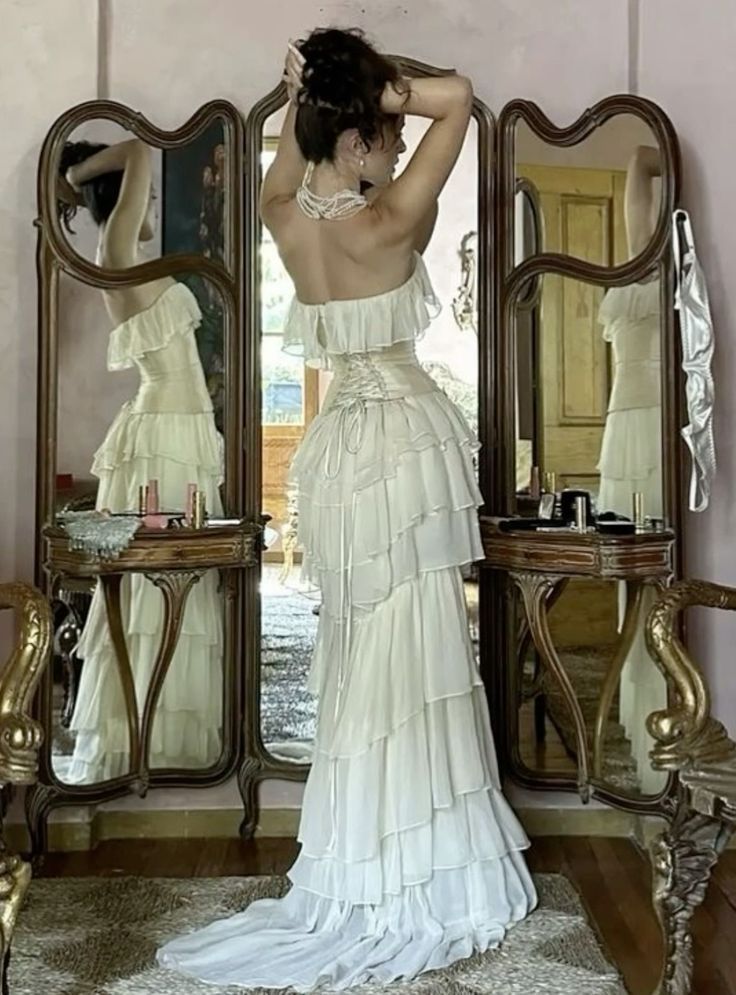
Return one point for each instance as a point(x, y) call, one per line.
point(340, 260)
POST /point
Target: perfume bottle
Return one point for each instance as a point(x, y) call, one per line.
point(152, 507)
point(535, 487)
point(637, 500)
point(199, 515)
point(581, 514)
point(189, 503)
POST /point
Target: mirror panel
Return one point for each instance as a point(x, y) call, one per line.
point(593, 416)
point(182, 193)
point(587, 415)
point(599, 199)
point(138, 403)
point(292, 396)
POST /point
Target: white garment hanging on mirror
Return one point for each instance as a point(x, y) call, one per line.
point(696, 330)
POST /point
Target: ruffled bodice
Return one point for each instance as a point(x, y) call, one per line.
point(320, 332)
point(631, 448)
point(160, 342)
point(170, 421)
point(630, 319)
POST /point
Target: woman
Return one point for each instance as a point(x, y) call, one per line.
point(167, 432)
point(631, 448)
point(410, 855)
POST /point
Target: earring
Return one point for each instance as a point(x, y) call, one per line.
point(362, 162)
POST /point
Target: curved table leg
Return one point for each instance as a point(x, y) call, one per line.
point(175, 587)
point(524, 636)
point(537, 590)
point(634, 594)
point(111, 590)
point(536, 692)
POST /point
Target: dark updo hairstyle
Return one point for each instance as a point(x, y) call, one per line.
point(343, 80)
point(100, 195)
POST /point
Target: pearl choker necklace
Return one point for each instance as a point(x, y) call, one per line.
point(337, 207)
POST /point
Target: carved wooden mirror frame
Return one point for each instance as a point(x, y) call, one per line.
point(55, 256)
point(511, 281)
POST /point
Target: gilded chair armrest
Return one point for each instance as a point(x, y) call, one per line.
point(686, 737)
point(20, 734)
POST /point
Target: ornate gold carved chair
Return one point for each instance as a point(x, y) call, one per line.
point(697, 750)
point(20, 737)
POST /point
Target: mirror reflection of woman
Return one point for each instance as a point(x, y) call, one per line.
point(410, 856)
point(167, 433)
point(631, 449)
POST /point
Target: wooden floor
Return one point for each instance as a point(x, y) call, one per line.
point(611, 875)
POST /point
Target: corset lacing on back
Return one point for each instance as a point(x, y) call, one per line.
point(359, 382)
point(362, 379)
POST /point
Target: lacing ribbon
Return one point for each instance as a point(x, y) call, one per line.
point(360, 382)
point(348, 437)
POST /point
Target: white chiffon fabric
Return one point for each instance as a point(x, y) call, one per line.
point(410, 855)
point(631, 460)
point(167, 432)
point(631, 450)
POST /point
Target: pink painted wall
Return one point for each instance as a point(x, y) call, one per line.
point(39, 78)
point(686, 64)
point(48, 62)
point(170, 56)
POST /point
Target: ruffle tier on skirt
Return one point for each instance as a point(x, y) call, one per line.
point(175, 449)
point(410, 856)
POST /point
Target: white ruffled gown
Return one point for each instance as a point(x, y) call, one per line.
point(167, 432)
point(410, 855)
point(631, 460)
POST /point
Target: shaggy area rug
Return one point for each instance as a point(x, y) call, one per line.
point(98, 936)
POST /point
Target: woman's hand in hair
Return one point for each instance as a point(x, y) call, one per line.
point(293, 69)
point(68, 178)
point(67, 192)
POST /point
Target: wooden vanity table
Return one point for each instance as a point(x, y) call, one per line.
point(540, 564)
point(174, 560)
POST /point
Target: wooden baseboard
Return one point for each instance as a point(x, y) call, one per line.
point(70, 835)
point(74, 834)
